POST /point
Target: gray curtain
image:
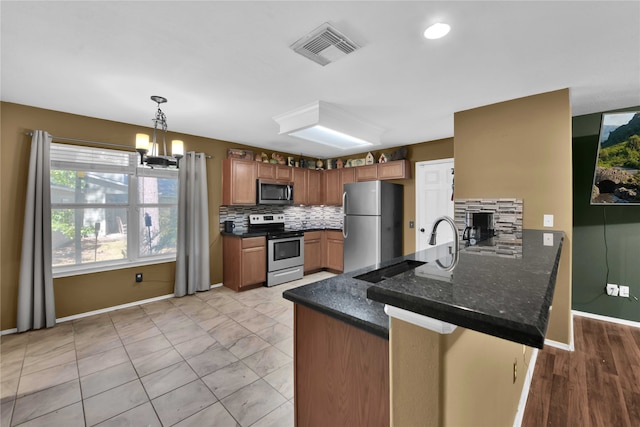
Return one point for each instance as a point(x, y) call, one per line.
point(192, 260)
point(36, 306)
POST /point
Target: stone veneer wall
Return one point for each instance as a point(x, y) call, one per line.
point(507, 215)
point(297, 217)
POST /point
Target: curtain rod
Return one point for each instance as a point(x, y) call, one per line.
point(99, 143)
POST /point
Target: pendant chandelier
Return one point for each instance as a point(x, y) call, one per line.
point(144, 146)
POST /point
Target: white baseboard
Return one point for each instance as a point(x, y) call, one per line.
point(606, 318)
point(106, 310)
point(522, 404)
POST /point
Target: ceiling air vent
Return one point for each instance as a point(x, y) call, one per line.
point(324, 45)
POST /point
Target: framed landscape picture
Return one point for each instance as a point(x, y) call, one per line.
point(616, 178)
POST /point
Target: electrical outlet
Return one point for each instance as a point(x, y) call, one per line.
point(547, 239)
point(138, 277)
point(612, 289)
point(624, 291)
point(548, 220)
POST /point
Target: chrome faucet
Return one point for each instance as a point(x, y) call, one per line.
point(456, 242)
point(456, 237)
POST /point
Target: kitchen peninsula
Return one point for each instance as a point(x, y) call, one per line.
point(341, 323)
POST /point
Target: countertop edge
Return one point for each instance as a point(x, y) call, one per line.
point(350, 320)
point(524, 333)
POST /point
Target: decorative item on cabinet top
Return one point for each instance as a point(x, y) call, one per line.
point(236, 153)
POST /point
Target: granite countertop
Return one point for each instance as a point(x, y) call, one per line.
point(500, 296)
point(239, 232)
point(242, 232)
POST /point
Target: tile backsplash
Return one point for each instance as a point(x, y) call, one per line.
point(295, 216)
point(507, 215)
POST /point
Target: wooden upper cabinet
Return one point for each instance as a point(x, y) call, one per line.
point(238, 182)
point(299, 186)
point(399, 169)
point(332, 187)
point(266, 170)
point(284, 173)
point(347, 175)
point(275, 172)
point(367, 173)
point(315, 193)
point(335, 180)
point(311, 187)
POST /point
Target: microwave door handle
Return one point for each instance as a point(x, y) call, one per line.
point(288, 192)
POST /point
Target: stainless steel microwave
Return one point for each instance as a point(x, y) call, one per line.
point(274, 192)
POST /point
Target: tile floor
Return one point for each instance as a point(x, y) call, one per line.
point(216, 358)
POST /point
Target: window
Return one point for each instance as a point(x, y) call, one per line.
point(106, 212)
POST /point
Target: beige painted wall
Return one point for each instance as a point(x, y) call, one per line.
point(83, 293)
point(79, 294)
point(473, 386)
point(522, 148)
point(519, 148)
point(432, 150)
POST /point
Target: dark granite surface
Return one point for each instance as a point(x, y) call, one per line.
point(243, 233)
point(504, 297)
point(238, 232)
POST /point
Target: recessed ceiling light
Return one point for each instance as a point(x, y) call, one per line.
point(437, 31)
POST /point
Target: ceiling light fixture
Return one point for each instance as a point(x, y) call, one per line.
point(330, 125)
point(144, 146)
point(436, 31)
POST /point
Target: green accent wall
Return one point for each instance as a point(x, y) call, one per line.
point(620, 225)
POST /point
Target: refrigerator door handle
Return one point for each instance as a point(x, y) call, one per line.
point(344, 219)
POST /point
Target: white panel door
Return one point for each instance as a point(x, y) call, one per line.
point(434, 198)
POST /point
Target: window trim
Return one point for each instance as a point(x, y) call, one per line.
point(133, 207)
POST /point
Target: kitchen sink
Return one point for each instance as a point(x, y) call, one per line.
point(380, 274)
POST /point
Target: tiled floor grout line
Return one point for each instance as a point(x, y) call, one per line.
point(193, 309)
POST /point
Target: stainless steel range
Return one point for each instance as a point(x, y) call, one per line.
point(285, 248)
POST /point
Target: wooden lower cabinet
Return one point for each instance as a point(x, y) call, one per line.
point(244, 262)
point(334, 251)
point(313, 254)
point(323, 249)
point(341, 373)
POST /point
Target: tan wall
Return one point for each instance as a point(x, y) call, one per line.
point(79, 294)
point(461, 379)
point(522, 148)
point(433, 150)
point(83, 293)
point(519, 148)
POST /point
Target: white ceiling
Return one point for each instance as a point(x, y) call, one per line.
point(227, 70)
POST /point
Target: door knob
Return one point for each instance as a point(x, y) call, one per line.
point(422, 230)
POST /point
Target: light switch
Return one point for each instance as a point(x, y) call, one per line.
point(548, 220)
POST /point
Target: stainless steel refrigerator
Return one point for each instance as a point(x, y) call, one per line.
point(372, 226)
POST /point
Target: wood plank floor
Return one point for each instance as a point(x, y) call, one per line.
point(598, 384)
